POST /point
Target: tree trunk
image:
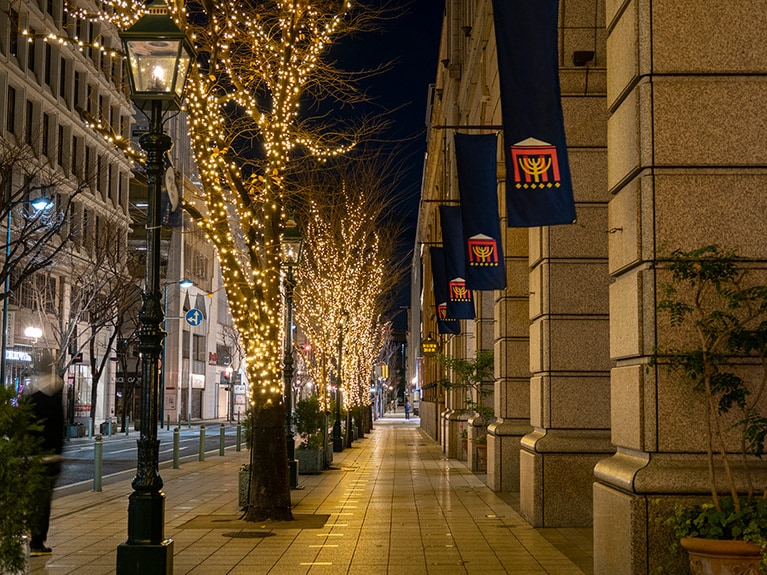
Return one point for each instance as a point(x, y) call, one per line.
point(269, 476)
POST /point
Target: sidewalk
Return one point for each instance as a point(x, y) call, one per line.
point(391, 504)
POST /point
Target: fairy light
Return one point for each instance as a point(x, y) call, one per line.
point(258, 64)
point(344, 269)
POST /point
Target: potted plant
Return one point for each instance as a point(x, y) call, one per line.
point(21, 478)
point(718, 315)
point(471, 376)
point(309, 421)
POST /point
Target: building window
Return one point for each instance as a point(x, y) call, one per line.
point(200, 348)
point(63, 80)
point(47, 64)
point(223, 355)
point(30, 126)
point(90, 103)
point(31, 51)
point(10, 118)
point(74, 153)
point(185, 345)
point(76, 95)
point(13, 24)
point(46, 136)
point(85, 229)
point(60, 150)
point(200, 266)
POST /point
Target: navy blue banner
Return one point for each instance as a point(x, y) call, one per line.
point(445, 323)
point(539, 191)
point(475, 162)
point(460, 301)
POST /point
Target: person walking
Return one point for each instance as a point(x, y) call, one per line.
point(407, 409)
point(46, 395)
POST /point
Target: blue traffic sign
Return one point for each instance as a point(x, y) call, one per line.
point(194, 317)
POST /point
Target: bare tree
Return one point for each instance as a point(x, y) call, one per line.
point(88, 305)
point(35, 236)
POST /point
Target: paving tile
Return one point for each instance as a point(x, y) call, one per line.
point(396, 505)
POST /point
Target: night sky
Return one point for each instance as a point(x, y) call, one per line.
point(412, 43)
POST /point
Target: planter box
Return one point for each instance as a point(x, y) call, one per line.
point(309, 461)
point(721, 557)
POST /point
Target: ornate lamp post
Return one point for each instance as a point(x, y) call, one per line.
point(159, 55)
point(40, 204)
point(338, 440)
point(291, 256)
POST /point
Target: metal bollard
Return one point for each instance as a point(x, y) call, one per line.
point(98, 453)
point(109, 427)
point(176, 464)
point(127, 425)
point(189, 421)
point(201, 456)
point(239, 437)
point(221, 439)
point(167, 425)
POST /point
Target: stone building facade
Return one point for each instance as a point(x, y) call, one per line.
point(663, 109)
point(63, 101)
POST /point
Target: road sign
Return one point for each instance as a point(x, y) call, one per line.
point(194, 317)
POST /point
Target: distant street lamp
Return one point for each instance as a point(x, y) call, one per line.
point(291, 256)
point(159, 55)
point(338, 440)
point(40, 204)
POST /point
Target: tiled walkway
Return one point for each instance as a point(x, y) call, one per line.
point(394, 505)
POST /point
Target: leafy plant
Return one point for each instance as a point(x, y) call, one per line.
point(21, 477)
point(471, 376)
point(720, 315)
point(748, 522)
point(309, 419)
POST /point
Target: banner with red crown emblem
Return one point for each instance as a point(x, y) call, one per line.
point(445, 323)
point(539, 190)
point(460, 301)
point(477, 184)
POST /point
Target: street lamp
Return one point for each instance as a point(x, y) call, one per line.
point(290, 255)
point(338, 441)
point(40, 204)
point(159, 55)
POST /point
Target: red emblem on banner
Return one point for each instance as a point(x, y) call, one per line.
point(483, 251)
point(442, 313)
point(535, 164)
point(459, 291)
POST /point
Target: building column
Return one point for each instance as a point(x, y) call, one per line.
point(569, 332)
point(512, 365)
point(687, 168)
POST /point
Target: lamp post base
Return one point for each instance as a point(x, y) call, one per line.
point(145, 558)
point(293, 470)
point(145, 552)
point(338, 440)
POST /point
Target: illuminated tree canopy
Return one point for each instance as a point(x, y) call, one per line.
point(348, 270)
point(262, 103)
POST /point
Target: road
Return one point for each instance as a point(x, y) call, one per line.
point(120, 452)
